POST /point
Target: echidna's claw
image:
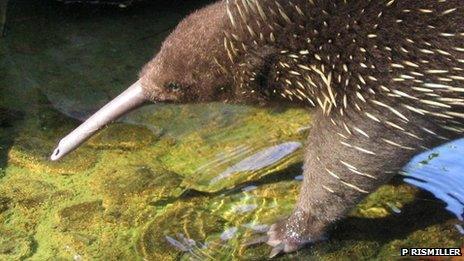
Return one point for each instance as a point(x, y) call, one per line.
point(291, 234)
point(276, 250)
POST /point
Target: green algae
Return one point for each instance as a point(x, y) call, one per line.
point(15, 246)
point(141, 188)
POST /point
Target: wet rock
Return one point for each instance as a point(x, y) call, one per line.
point(4, 204)
point(33, 154)
point(379, 204)
point(241, 164)
point(122, 183)
point(374, 212)
point(216, 156)
point(27, 193)
point(80, 216)
point(122, 136)
point(262, 206)
point(15, 245)
point(229, 234)
point(128, 190)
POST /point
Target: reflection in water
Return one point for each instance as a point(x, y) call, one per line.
point(258, 228)
point(242, 209)
point(229, 233)
point(460, 229)
point(262, 159)
point(188, 245)
point(442, 174)
point(249, 188)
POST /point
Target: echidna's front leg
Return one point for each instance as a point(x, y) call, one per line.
point(346, 159)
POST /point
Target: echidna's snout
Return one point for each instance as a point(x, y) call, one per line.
point(185, 70)
point(130, 99)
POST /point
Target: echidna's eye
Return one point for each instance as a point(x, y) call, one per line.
point(173, 86)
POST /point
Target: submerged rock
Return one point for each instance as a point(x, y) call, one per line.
point(137, 186)
point(29, 194)
point(123, 137)
point(33, 154)
point(15, 245)
point(4, 204)
point(80, 216)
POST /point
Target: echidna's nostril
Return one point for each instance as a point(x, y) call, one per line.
point(56, 154)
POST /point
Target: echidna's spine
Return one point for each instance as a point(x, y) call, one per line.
point(339, 54)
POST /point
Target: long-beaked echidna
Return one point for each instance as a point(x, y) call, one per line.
point(386, 78)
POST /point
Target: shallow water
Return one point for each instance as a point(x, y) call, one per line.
point(170, 182)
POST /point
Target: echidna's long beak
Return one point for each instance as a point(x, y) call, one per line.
point(128, 100)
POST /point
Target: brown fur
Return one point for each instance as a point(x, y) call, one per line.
point(186, 58)
point(385, 77)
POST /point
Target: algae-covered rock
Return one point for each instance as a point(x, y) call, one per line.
point(33, 153)
point(129, 189)
point(29, 193)
point(80, 216)
point(387, 200)
point(78, 228)
point(123, 137)
point(4, 204)
point(15, 245)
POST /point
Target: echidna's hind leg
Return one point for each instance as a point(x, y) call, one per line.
point(346, 159)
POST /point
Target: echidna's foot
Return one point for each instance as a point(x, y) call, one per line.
point(291, 234)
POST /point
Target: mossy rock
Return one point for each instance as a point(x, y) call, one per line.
point(201, 142)
point(15, 245)
point(80, 216)
point(128, 190)
point(33, 154)
point(122, 136)
point(28, 194)
point(4, 204)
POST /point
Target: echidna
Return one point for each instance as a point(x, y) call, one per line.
point(385, 77)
